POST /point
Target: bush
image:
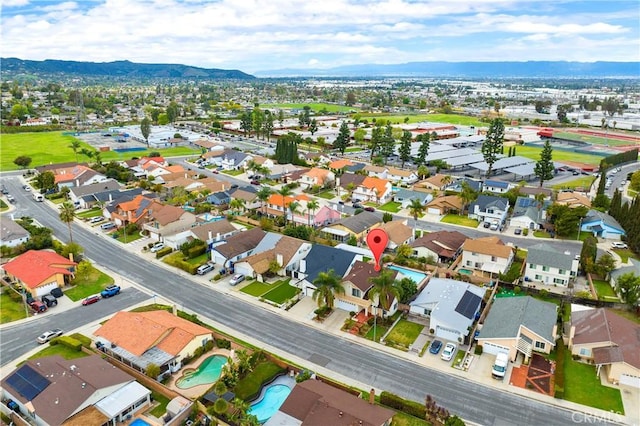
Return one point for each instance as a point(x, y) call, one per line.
point(223, 343)
point(559, 373)
point(86, 342)
point(525, 232)
point(478, 350)
point(517, 290)
point(69, 342)
point(163, 252)
point(409, 407)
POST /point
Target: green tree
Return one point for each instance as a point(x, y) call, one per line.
point(263, 195)
point(153, 370)
point(172, 111)
point(376, 141)
point(284, 192)
point(467, 195)
point(246, 122)
point(384, 290)
point(342, 140)
point(312, 206)
point(67, 214)
point(408, 288)
point(163, 118)
point(388, 143)
point(588, 253)
point(22, 161)
point(46, 181)
point(327, 285)
point(267, 127)
point(423, 149)
point(145, 129)
point(313, 126)
point(387, 217)
point(628, 286)
point(605, 264)
point(405, 147)
point(544, 167)
point(492, 145)
point(635, 181)
point(75, 146)
point(359, 136)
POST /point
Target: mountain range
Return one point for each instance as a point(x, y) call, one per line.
point(530, 69)
point(117, 69)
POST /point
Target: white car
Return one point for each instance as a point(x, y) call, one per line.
point(157, 247)
point(237, 278)
point(448, 352)
point(48, 335)
point(618, 245)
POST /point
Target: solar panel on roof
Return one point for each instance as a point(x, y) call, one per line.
point(28, 382)
point(468, 304)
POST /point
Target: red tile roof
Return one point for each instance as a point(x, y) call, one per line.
point(35, 266)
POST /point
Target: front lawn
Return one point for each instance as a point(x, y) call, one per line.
point(404, 333)
point(327, 195)
point(380, 330)
point(12, 310)
point(403, 419)
point(88, 214)
point(62, 350)
point(233, 172)
point(256, 288)
point(94, 283)
point(282, 293)
point(127, 238)
point(625, 254)
point(541, 234)
point(604, 290)
point(582, 385)
point(391, 207)
point(460, 220)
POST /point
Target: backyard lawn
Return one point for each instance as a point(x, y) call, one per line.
point(162, 402)
point(391, 207)
point(604, 290)
point(456, 219)
point(402, 419)
point(94, 283)
point(404, 333)
point(12, 310)
point(250, 385)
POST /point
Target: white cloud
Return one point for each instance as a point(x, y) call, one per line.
point(14, 3)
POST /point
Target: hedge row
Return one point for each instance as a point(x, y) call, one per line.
point(67, 341)
point(86, 342)
point(163, 252)
point(559, 373)
point(183, 264)
point(397, 403)
point(196, 251)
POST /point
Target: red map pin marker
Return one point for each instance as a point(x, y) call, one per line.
point(377, 240)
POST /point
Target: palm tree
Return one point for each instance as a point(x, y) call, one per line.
point(327, 284)
point(263, 195)
point(446, 180)
point(384, 289)
point(415, 209)
point(312, 206)
point(285, 191)
point(237, 204)
point(67, 213)
point(75, 146)
point(467, 195)
point(293, 208)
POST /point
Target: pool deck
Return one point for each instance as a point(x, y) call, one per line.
point(195, 391)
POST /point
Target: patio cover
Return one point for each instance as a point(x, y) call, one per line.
point(491, 267)
point(121, 399)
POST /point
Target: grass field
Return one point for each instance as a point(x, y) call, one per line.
point(402, 419)
point(282, 293)
point(11, 309)
point(93, 284)
point(456, 219)
point(405, 332)
point(462, 120)
point(595, 140)
point(54, 147)
point(604, 289)
point(391, 207)
point(533, 153)
point(581, 182)
point(317, 107)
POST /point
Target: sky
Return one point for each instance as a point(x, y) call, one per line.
point(259, 35)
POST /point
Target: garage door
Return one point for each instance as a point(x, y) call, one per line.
point(432, 210)
point(493, 349)
point(45, 289)
point(447, 334)
point(629, 380)
point(346, 306)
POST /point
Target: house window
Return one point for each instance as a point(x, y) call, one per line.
point(494, 259)
point(538, 277)
point(558, 281)
point(585, 352)
point(355, 292)
point(545, 268)
point(427, 311)
point(469, 263)
point(477, 265)
point(540, 345)
point(532, 266)
point(473, 253)
point(562, 272)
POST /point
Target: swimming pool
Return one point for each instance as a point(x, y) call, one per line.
point(139, 422)
point(465, 271)
point(121, 150)
point(207, 373)
point(271, 398)
point(417, 277)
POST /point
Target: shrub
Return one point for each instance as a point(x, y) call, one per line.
point(86, 342)
point(69, 342)
point(559, 373)
point(303, 375)
point(517, 289)
point(409, 407)
point(478, 350)
point(163, 252)
point(525, 232)
point(223, 343)
point(153, 370)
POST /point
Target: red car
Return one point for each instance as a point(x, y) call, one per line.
point(370, 209)
point(90, 300)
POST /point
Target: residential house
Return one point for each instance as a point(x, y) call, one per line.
point(154, 337)
point(488, 255)
point(322, 258)
point(406, 196)
point(379, 172)
point(488, 208)
point(209, 232)
point(442, 246)
point(373, 189)
point(325, 216)
point(535, 191)
point(529, 213)
point(234, 160)
point(316, 177)
point(77, 194)
point(277, 205)
point(444, 205)
point(357, 226)
point(398, 232)
point(132, 211)
point(339, 166)
point(12, 234)
point(547, 265)
point(163, 219)
point(40, 271)
point(78, 175)
point(348, 182)
point(219, 198)
point(573, 199)
point(519, 325)
point(473, 184)
point(633, 268)
point(602, 225)
point(357, 284)
point(286, 251)
point(452, 307)
point(609, 341)
point(248, 194)
point(436, 182)
point(401, 176)
point(237, 247)
point(496, 186)
point(119, 203)
point(82, 391)
point(313, 402)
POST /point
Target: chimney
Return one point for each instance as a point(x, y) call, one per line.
point(71, 256)
point(572, 334)
point(340, 414)
point(303, 265)
point(77, 182)
point(217, 236)
point(110, 198)
point(372, 396)
point(280, 259)
point(210, 236)
point(175, 310)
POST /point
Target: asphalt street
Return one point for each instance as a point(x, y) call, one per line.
point(477, 402)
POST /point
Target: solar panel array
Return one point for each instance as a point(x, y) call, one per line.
point(28, 382)
point(468, 304)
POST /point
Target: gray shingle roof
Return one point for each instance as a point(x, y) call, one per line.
point(322, 258)
point(487, 201)
point(546, 255)
point(594, 216)
point(360, 222)
point(509, 313)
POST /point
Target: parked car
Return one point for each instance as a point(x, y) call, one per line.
point(237, 278)
point(11, 199)
point(49, 300)
point(56, 292)
point(618, 245)
point(486, 224)
point(435, 347)
point(517, 231)
point(255, 182)
point(91, 300)
point(96, 219)
point(357, 205)
point(112, 290)
point(449, 351)
point(203, 269)
point(157, 247)
point(48, 335)
point(369, 209)
point(38, 307)
point(494, 226)
point(107, 226)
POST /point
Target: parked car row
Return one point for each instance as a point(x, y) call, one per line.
point(447, 353)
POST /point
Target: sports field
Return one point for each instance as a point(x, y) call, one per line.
point(316, 107)
point(54, 147)
point(461, 120)
point(533, 152)
point(596, 140)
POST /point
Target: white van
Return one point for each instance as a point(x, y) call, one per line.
point(108, 225)
point(38, 197)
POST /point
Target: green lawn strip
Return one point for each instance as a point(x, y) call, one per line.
point(582, 385)
point(257, 289)
point(250, 385)
point(162, 402)
point(403, 419)
point(457, 359)
point(327, 195)
point(541, 234)
point(582, 182)
point(88, 214)
point(405, 333)
point(281, 293)
point(574, 236)
point(93, 284)
point(459, 220)
point(463, 120)
point(59, 349)
point(604, 289)
point(625, 254)
point(12, 310)
point(233, 172)
point(533, 152)
point(380, 330)
point(391, 207)
point(596, 140)
point(314, 107)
